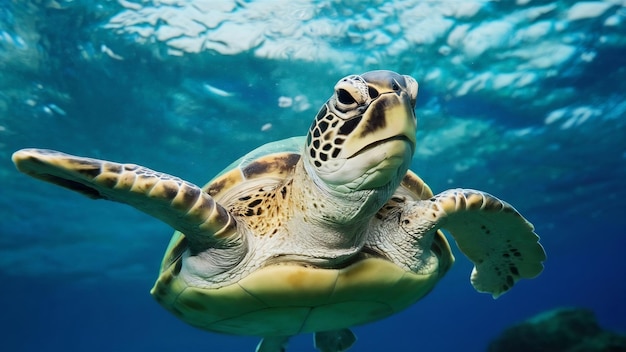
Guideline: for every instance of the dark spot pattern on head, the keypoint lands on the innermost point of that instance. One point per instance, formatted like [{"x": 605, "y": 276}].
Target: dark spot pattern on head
[
  {"x": 316, "y": 132},
  {"x": 376, "y": 118},
  {"x": 349, "y": 126},
  {"x": 324, "y": 140},
  {"x": 322, "y": 113},
  {"x": 323, "y": 126}
]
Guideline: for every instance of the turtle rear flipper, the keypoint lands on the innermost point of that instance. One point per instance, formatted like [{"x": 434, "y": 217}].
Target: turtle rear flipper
[
  {"x": 334, "y": 340},
  {"x": 491, "y": 233},
  {"x": 182, "y": 205},
  {"x": 272, "y": 344}
]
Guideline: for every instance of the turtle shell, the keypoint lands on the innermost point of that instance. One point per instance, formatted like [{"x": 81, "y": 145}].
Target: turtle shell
[
  {"x": 271, "y": 163},
  {"x": 290, "y": 298}
]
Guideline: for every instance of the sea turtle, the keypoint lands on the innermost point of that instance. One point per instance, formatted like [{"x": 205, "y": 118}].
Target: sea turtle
[{"x": 316, "y": 233}]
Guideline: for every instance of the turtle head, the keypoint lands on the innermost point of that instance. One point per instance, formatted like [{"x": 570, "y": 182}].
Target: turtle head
[{"x": 363, "y": 138}]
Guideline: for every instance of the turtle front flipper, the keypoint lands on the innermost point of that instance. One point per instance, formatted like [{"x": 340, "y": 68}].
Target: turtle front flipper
[
  {"x": 182, "y": 205},
  {"x": 491, "y": 233}
]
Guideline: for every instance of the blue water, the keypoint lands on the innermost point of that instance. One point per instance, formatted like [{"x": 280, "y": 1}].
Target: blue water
[{"x": 525, "y": 100}]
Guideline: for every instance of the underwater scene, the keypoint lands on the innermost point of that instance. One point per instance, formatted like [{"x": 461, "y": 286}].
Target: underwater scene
[{"x": 522, "y": 99}]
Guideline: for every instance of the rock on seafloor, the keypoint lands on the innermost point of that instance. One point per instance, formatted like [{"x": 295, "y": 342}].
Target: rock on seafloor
[{"x": 563, "y": 330}]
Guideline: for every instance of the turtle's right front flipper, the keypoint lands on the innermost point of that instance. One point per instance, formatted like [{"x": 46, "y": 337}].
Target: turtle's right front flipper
[
  {"x": 490, "y": 232},
  {"x": 182, "y": 205}
]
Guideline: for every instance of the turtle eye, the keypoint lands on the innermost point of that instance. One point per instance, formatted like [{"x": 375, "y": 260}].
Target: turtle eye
[
  {"x": 373, "y": 93},
  {"x": 344, "y": 97}
]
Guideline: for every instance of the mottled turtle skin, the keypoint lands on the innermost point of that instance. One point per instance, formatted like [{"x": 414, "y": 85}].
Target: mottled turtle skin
[{"x": 312, "y": 234}]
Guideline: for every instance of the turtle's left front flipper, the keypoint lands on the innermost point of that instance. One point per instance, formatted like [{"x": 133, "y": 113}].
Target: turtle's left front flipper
[
  {"x": 491, "y": 233},
  {"x": 182, "y": 205}
]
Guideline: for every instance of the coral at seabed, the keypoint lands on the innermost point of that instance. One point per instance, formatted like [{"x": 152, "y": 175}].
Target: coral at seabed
[{"x": 562, "y": 330}]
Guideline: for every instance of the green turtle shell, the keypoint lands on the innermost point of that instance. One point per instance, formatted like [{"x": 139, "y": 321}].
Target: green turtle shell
[{"x": 289, "y": 298}]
